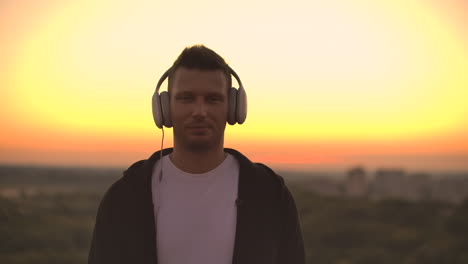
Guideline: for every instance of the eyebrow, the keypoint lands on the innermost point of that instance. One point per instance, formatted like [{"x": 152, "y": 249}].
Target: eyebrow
[
  {"x": 215, "y": 94},
  {"x": 183, "y": 93},
  {"x": 191, "y": 93}
]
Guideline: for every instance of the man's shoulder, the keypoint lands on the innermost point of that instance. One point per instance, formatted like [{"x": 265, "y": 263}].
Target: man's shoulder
[
  {"x": 142, "y": 168},
  {"x": 268, "y": 173},
  {"x": 134, "y": 168},
  {"x": 269, "y": 180},
  {"x": 129, "y": 180},
  {"x": 256, "y": 176},
  {"x": 255, "y": 168},
  {"x": 127, "y": 189}
]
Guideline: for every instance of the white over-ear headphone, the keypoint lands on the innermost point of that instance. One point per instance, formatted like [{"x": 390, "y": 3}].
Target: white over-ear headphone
[{"x": 237, "y": 103}]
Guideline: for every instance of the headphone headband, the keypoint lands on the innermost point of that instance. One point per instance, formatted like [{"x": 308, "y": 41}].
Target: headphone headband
[{"x": 166, "y": 74}]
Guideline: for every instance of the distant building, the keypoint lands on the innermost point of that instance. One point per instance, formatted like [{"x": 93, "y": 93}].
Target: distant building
[
  {"x": 356, "y": 183},
  {"x": 418, "y": 187},
  {"x": 389, "y": 183},
  {"x": 324, "y": 186},
  {"x": 451, "y": 189},
  {"x": 392, "y": 184}
]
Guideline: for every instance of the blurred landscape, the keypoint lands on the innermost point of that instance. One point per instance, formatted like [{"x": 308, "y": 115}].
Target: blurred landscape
[
  {"x": 356, "y": 216},
  {"x": 329, "y": 84}
]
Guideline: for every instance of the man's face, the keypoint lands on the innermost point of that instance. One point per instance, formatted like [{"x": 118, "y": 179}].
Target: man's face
[{"x": 199, "y": 108}]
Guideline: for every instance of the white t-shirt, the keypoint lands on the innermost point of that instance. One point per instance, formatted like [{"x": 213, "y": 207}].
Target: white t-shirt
[{"x": 195, "y": 214}]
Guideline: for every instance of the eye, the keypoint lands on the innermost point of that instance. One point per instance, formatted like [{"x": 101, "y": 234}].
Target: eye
[
  {"x": 214, "y": 99},
  {"x": 184, "y": 98}
]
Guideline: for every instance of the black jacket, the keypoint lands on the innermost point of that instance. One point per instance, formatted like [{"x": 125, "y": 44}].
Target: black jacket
[{"x": 267, "y": 230}]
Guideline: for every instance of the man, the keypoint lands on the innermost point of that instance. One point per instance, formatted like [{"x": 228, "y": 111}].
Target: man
[{"x": 198, "y": 202}]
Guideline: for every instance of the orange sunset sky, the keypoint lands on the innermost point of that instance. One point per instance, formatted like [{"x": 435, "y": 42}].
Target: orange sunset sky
[{"x": 331, "y": 84}]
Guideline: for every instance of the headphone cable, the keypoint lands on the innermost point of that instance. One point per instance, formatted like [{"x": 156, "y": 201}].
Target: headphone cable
[{"x": 161, "y": 153}]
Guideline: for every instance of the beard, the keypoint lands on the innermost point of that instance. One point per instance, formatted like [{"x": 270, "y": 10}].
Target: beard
[
  {"x": 199, "y": 146},
  {"x": 198, "y": 143}
]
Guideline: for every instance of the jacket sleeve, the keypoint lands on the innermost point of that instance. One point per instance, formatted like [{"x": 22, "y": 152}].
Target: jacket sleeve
[
  {"x": 104, "y": 244},
  {"x": 291, "y": 243}
]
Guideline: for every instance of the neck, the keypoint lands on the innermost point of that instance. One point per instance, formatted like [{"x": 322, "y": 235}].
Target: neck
[{"x": 196, "y": 162}]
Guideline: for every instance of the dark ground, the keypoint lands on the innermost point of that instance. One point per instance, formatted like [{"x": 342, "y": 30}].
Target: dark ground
[{"x": 47, "y": 216}]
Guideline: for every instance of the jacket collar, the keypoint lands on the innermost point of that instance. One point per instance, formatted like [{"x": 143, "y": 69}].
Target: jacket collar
[{"x": 143, "y": 170}]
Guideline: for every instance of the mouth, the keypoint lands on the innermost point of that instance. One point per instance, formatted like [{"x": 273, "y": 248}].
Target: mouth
[
  {"x": 199, "y": 126},
  {"x": 198, "y": 129}
]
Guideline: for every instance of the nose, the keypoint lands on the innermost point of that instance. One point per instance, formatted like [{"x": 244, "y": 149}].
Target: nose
[{"x": 200, "y": 110}]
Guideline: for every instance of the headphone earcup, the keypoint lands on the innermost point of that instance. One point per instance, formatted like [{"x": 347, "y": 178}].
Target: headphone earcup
[
  {"x": 165, "y": 109},
  {"x": 241, "y": 106},
  {"x": 232, "y": 101},
  {"x": 157, "y": 112}
]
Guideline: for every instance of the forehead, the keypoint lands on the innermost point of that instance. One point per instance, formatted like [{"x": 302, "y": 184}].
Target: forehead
[{"x": 195, "y": 80}]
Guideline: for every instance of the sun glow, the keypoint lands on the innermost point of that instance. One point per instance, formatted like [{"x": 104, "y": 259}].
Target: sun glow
[{"x": 328, "y": 78}]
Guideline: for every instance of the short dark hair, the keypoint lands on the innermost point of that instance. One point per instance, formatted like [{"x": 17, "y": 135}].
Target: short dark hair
[{"x": 201, "y": 58}]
